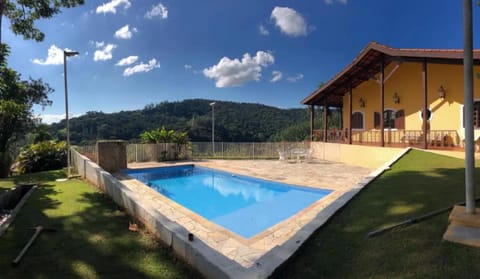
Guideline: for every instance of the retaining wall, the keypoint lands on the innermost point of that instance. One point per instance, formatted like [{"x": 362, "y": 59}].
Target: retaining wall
[
  {"x": 358, "y": 155},
  {"x": 206, "y": 260}
]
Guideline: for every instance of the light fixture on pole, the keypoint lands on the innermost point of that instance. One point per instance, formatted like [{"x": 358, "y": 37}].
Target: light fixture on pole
[
  {"x": 396, "y": 98},
  {"x": 441, "y": 92},
  {"x": 212, "y": 104},
  {"x": 67, "y": 53},
  {"x": 361, "y": 102}
]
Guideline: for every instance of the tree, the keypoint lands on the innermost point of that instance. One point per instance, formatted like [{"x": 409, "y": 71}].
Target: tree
[
  {"x": 23, "y": 14},
  {"x": 297, "y": 132},
  {"x": 180, "y": 139},
  {"x": 17, "y": 96},
  {"x": 42, "y": 156},
  {"x": 40, "y": 133}
]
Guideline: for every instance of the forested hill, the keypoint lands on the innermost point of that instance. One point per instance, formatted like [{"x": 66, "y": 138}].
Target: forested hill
[{"x": 236, "y": 122}]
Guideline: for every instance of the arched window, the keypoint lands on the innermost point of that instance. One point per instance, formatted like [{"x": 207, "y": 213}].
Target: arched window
[{"x": 357, "y": 120}]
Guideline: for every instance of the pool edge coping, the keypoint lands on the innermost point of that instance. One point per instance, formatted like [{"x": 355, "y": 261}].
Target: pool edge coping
[
  {"x": 210, "y": 262},
  {"x": 327, "y": 199}
]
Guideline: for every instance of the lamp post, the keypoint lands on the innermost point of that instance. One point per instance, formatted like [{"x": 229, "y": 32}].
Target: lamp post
[
  {"x": 66, "y": 54},
  {"x": 468, "y": 106},
  {"x": 212, "y": 104}
]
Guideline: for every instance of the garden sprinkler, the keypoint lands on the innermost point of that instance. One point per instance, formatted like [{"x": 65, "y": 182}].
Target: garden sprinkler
[{"x": 38, "y": 229}]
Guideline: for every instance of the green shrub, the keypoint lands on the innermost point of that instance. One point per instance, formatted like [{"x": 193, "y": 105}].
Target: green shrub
[{"x": 42, "y": 156}]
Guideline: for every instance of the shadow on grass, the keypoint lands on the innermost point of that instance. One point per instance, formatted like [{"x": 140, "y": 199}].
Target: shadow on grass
[
  {"x": 419, "y": 183},
  {"x": 39, "y": 177},
  {"x": 92, "y": 239}
]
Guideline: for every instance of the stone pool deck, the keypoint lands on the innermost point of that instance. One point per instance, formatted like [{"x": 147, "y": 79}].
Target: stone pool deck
[{"x": 250, "y": 254}]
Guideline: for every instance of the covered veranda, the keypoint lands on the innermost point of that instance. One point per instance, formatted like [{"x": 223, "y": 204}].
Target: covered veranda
[{"x": 371, "y": 65}]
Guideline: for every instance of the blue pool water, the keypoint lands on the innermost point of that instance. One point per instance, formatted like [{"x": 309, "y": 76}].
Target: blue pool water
[{"x": 241, "y": 204}]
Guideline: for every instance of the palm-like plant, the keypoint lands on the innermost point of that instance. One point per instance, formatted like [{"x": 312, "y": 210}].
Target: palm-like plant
[
  {"x": 162, "y": 135},
  {"x": 180, "y": 139}
]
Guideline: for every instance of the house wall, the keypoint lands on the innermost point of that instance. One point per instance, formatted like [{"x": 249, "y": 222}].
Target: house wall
[
  {"x": 407, "y": 82},
  {"x": 372, "y": 157}
]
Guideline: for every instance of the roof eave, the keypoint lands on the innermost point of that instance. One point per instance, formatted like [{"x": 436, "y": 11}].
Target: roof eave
[{"x": 403, "y": 54}]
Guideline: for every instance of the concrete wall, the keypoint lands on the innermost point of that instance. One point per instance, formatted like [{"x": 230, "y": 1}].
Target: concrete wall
[
  {"x": 357, "y": 155},
  {"x": 206, "y": 260},
  {"x": 112, "y": 155}
]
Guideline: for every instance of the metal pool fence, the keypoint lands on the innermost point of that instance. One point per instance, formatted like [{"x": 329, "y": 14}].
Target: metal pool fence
[{"x": 201, "y": 150}]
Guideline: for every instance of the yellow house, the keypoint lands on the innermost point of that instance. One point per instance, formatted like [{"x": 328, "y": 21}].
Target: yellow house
[{"x": 401, "y": 83}]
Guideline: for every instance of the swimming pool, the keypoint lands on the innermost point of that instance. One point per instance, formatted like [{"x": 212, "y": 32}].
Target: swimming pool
[{"x": 241, "y": 204}]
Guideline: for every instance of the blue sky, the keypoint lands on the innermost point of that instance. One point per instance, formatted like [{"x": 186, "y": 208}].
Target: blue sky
[{"x": 274, "y": 52}]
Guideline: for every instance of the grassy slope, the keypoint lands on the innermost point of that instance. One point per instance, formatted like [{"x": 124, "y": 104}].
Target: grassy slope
[
  {"x": 92, "y": 239},
  {"x": 419, "y": 183}
]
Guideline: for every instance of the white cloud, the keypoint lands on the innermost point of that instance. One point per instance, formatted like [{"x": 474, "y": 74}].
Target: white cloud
[
  {"x": 53, "y": 118},
  {"x": 105, "y": 53},
  {"x": 289, "y": 21},
  {"x": 295, "y": 78},
  {"x": 96, "y": 44},
  {"x": 124, "y": 32},
  {"x": 54, "y": 57},
  {"x": 159, "y": 11},
  {"x": 233, "y": 72},
  {"x": 263, "y": 30},
  {"x": 276, "y": 76},
  {"x": 111, "y": 7},
  {"x": 187, "y": 67},
  {"x": 142, "y": 68},
  {"x": 127, "y": 61}
]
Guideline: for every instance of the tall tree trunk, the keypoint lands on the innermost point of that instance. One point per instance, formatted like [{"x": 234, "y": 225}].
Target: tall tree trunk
[{"x": 5, "y": 163}]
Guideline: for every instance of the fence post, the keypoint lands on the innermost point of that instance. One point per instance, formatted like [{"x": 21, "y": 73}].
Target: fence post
[
  {"x": 253, "y": 150},
  {"x": 222, "y": 152},
  {"x": 136, "y": 153}
]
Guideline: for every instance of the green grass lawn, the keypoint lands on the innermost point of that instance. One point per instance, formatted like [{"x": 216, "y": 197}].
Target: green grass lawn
[
  {"x": 92, "y": 238},
  {"x": 418, "y": 183}
]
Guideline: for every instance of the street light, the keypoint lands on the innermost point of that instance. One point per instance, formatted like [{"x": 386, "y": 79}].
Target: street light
[
  {"x": 212, "y": 104},
  {"x": 66, "y": 54}
]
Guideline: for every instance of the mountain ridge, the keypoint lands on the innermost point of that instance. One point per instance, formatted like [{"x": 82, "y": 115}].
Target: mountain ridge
[{"x": 234, "y": 121}]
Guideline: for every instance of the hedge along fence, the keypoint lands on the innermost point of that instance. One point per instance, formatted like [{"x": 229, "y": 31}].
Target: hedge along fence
[{"x": 201, "y": 150}]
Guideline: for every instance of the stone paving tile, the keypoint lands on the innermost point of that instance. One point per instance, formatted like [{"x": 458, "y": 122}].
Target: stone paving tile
[{"x": 318, "y": 174}]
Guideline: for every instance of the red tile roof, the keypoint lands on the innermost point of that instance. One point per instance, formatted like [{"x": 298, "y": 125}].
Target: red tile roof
[{"x": 368, "y": 62}]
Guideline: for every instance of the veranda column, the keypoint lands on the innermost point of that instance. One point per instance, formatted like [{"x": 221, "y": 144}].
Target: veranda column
[
  {"x": 425, "y": 104},
  {"x": 325, "y": 120},
  {"x": 382, "y": 105},
  {"x": 350, "y": 116},
  {"x": 312, "y": 120}
]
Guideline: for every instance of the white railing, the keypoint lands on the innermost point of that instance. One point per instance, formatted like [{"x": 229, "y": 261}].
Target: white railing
[
  {"x": 202, "y": 150},
  {"x": 435, "y": 138}
]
